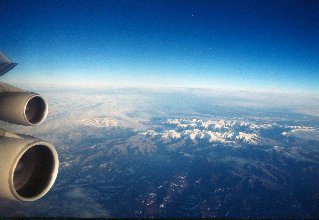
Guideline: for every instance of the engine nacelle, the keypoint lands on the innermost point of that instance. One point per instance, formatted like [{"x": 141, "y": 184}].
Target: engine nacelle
[
  {"x": 23, "y": 108},
  {"x": 28, "y": 167}
]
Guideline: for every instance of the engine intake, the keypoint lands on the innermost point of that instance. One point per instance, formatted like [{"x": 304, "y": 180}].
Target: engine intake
[
  {"x": 23, "y": 108},
  {"x": 28, "y": 168}
]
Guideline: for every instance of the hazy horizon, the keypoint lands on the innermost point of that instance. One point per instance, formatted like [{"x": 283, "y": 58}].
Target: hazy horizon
[{"x": 249, "y": 45}]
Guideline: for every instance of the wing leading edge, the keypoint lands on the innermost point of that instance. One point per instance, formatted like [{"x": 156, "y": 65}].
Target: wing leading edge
[{"x": 5, "y": 64}]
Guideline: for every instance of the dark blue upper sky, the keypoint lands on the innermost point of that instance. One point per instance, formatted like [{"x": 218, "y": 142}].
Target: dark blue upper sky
[{"x": 238, "y": 44}]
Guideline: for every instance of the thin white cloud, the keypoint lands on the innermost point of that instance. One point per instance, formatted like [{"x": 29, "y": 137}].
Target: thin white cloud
[{"x": 311, "y": 134}]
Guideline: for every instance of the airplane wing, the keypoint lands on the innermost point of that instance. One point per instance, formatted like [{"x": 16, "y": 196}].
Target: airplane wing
[
  {"x": 5, "y": 64},
  {"x": 28, "y": 165}
]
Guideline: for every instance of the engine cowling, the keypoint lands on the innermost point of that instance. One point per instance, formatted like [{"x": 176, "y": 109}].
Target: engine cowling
[
  {"x": 23, "y": 108},
  {"x": 28, "y": 167}
]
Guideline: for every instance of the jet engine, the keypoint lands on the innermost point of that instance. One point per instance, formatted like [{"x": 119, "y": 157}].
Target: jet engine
[
  {"x": 28, "y": 167},
  {"x": 22, "y": 108}
]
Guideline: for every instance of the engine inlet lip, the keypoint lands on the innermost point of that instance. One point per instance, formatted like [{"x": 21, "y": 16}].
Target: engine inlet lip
[
  {"x": 44, "y": 115},
  {"x": 52, "y": 177}
]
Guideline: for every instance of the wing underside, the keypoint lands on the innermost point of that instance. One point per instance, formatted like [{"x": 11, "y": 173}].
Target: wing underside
[{"x": 5, "y": 64}]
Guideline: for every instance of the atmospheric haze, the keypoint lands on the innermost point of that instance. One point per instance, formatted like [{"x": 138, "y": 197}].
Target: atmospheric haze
[{"x": 178, "y": 152}]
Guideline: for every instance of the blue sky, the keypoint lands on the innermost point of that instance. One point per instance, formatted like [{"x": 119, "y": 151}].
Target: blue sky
[{"x": 252, "y": 45}]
